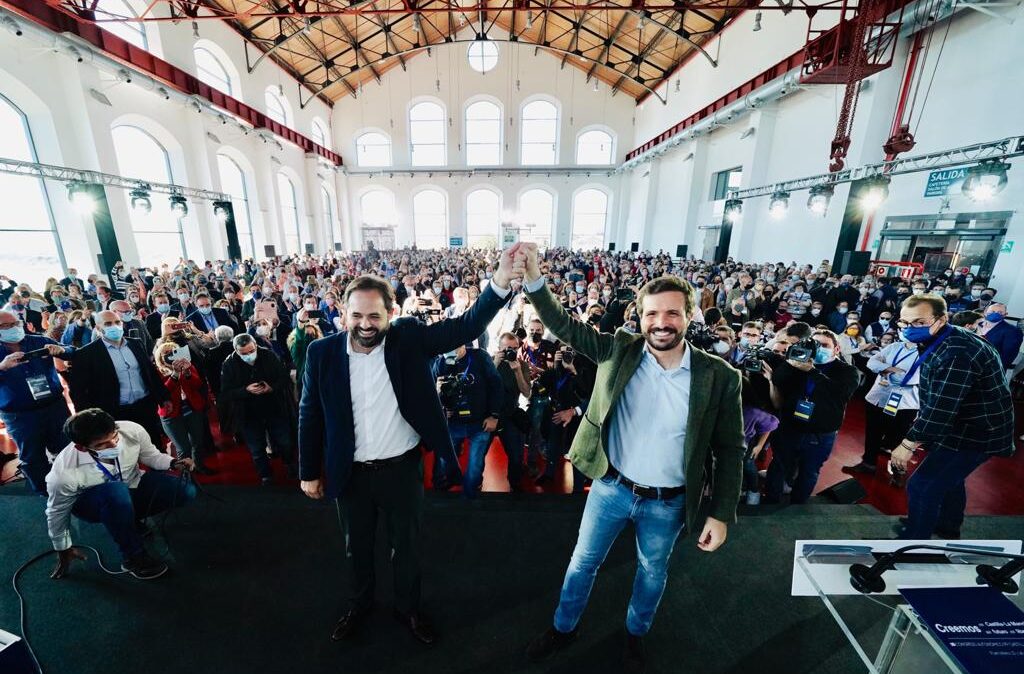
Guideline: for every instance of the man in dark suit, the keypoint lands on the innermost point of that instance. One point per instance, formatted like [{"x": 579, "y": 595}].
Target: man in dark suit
[
  {"x": 207, "y": 318},
  {"x": 33, "y": 320},
  {"x": 1005, "y": 338},
  {"x": 162, "y": 309},
  {"x": 116, "y": 375},
  {"x": 368, "y": 404},
  {"x": 72, "y": 279}
]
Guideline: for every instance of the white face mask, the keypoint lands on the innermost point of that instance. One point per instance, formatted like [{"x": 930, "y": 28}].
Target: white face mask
[
  {"x": 721, "y": 348},
  {"x": 263, "y": 331}
]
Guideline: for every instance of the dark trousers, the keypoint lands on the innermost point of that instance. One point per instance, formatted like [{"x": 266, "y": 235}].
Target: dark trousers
[
  {"x": 512, "y": 441},
  {"x": 807, "y": 453},
  {"x": 118, "y": 507},
  {"x": 34, "y": 432},
  {"x": 537, "y": 411},
  {"x": 394, "y": 490},
  {"x": 142, "y": 412},
  {"x": 936, "y": 496},
  {"x": 558, "y": 440},
  {"x": 884, "y": 432},
  {"x": 255, "y": 431}
]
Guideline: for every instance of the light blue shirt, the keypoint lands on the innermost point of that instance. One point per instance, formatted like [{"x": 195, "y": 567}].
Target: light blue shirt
[
  {"x": 131, "y": 387},
  {"x": 647, "y": 435}
]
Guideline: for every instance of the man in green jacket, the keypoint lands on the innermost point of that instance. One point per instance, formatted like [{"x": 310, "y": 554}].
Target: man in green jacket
[{"x": 664, "y": 425}]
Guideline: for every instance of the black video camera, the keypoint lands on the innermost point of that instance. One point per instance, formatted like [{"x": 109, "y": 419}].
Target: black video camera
[
  {"x": 454, "y": 393},
  {"x": 701, "y": 336},
  {"x": 803, "y": 351},
  {"x": 625, "y": 295},
  {"x": 753, "y": 359}
]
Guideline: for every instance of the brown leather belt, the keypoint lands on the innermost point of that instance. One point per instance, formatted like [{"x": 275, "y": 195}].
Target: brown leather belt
[{"x": 643, "y": 491}]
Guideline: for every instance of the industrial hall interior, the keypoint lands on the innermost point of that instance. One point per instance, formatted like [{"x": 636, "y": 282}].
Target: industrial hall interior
[{"x": 517, "y": 336}]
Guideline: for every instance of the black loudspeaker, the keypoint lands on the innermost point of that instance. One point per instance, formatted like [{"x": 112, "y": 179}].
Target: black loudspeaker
[
  {"x": 337, "y": 248},
  {"x": 855, "y": 262},
  {"x": 635, "y": 247},
  {"x": 681, "y": 250},
  {"x": 268, "y": 251},
  {"x": 611, "y": 247},
  {"x": 846, "y": 492},
  {"x": 310, "y": 249}
]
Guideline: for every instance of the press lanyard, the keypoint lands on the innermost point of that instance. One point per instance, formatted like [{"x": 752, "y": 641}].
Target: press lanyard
[
  {"x": 908, "y": 354},
  {"x": 809, "y": 387},
  {"x": 469, "y": 364},
  {"x": 927, "y": 352},
  {"x": 107, "y": 473}
]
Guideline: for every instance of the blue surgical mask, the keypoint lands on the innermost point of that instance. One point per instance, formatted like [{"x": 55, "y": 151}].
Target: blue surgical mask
[
  {"x": 163, "y": 308},
  {"x": 113, "y": 333},
  {"x": 111, "y": 453},
  {"x": 12, "y": 335},
  {"x": 823, "y": 355},
  {"x": 248, "y": 358},
  {"x": 917, "y": 334},
  {"x": 127, "y": 316},
  {"x": 206, "y": 311},
  {"x": 993, "y": 317}
]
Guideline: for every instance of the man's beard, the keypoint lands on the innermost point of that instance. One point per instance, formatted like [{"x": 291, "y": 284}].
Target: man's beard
[
  {"x": 677, "y": 337},
  {"x": 367, "y": 338}
]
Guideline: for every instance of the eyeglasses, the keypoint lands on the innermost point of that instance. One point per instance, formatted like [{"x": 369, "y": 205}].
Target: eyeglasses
[
  {"x": 14, "y": 324},
  {"x": 919, "y": 323}
]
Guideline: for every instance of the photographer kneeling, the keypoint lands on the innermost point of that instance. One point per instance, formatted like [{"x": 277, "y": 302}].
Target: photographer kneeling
[
  {"x": 812, "y": 388},
  {"x": 97, "y": 479},
  {"x": 470, "y": 391}
]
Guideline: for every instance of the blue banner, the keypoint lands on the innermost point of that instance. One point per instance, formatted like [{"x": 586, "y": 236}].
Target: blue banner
[
  {"x": 455, "y": 241},
  {"x": 981, "y": 629},
  {"x": 939, "y": 182}
]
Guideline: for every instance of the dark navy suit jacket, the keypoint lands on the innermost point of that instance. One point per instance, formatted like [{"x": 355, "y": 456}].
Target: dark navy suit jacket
[
  {"x": 327, "y": 440},
  {"x": 1006, "y": 339}
]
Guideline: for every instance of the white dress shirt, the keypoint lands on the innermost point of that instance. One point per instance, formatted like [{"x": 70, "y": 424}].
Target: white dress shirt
[
  {"x": 74, "y": 471},
  {"x": 899, "y": 355}
]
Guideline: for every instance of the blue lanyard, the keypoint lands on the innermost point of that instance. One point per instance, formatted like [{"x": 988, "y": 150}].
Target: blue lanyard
[
  {"x": 107, "y": 473},
  {"x": 469, "y": 364},
  {"x": 927, "y": 352},
  {"x": 809, "y": 387},
  {"x": 561, "y": 382},
  {"x": 908, "y": 354}
]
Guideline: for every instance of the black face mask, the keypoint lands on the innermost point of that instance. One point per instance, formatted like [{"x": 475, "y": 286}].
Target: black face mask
[{"x": 535, "y": 337}]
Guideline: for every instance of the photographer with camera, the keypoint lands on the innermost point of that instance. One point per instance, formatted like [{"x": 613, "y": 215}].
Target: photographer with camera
[
  {"x": 539, "y": 354},
  {"x": 749, "y": 342},
  {"x": 813, "y": 388},
  {"x": 569, "y": 396},
  {"x": 471, "y": 395},
  {"x": 513, "y": 423}
]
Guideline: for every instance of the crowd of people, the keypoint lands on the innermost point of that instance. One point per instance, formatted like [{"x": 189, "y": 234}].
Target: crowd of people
[{"x": 179, "y": 349}]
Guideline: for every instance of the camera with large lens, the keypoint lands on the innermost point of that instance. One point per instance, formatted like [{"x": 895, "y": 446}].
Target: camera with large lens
[
  {"x": 701, "y": 336},
  {"x": 454, "y": 393},
  {"x": 803, "y": 351},
  {"x": 567, "y": 356},
  {"x": 510, "y": 353},
  {"x": 753, "y": 358}
]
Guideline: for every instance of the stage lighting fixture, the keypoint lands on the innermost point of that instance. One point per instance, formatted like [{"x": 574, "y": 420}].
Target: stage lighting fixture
[
  {"x": 985, "y": 180},
  {"x": 78, "y": 194},
  {"x": 874, "y": 192},
  {"x": 733, "y": 209},
  {"x": 220, "y": 212},
  {"x": 179, "y": 205},
  {"x": 140, "y": 199},
  {"x": 821, "y": 197},
  {"x": 779, "y": 205}
]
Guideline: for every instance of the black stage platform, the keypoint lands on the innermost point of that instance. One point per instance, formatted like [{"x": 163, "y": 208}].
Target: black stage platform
[{"x": 255, "y": 586}]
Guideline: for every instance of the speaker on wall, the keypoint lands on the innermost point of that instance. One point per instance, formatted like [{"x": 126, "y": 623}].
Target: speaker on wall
[
  {"x": 268, "y": 251},
  {"x": 337, "y": 248},
  {"x": 611, "y": 246},
  {"x": 635, "y": 247},
  {"x": 855, "y": 262},
  {"x": 681, "y": 250},
  {"x": 309, "y": 249}
]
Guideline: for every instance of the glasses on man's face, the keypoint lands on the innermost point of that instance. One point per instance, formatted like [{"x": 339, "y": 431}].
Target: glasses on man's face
[
  {"x": 10, "y": 324},
  {"x": 918, "y": 323}
]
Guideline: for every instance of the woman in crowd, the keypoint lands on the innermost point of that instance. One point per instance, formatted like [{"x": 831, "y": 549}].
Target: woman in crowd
[{"x": 184, "y": 418}]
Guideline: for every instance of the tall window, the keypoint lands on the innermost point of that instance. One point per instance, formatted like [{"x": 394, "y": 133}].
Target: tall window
[
  {"x": 427, "y": 134},
  {"x": 320, "y": 134},
  {"x": 158, "y": 234},
  {"x": 211, "y": 71},
  {"x": 373, "y": 149},
  {"x": 536, "y": 217},
  {"x": 131, "y": 31},
  {"x": 232, "y": 181},
  {"x": 327, "y": 208},
  {"x": 595, "y": 148},
  {"x": 589, "y": 215},
  {"x": 539, "y": 134},
  {"x": 377, "y": 208},
  {"x": 483, "y": 218},
  {"x": 483, "y": 134},
  {"x": 277, "y": 106},
  {"x": 430, "y": 219},
  {"x": 721, "y": 183},
  {"x": 289, "y": 212},
  {"x": 31, "y": 250}
]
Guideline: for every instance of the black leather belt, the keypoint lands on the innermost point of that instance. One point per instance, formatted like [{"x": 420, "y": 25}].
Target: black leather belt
[
  {"x": 378, "y": 464},
  {"x": 643, "y": 491}
]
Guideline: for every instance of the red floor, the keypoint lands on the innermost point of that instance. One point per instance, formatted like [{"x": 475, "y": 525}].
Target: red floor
[{"x": 994, "y": 489}]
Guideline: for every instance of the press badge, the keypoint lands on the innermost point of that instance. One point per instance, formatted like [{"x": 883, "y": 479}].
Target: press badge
[
  {"x": 892, "y": 405},
  {"x": 803, "y": 410},
  {"x": 39, "y": 387}
]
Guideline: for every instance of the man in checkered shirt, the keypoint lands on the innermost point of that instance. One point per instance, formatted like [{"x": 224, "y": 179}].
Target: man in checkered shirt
[{"x": 966, "y": 417}]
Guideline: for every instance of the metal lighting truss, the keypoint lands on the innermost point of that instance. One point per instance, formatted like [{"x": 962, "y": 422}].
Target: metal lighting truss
[
  {"x": 69, "y": 175},
  {"x": 1006, "y": 148}
]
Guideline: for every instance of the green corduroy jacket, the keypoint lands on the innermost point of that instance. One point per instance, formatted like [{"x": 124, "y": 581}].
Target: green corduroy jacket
[{"x": 714, "y": 446}]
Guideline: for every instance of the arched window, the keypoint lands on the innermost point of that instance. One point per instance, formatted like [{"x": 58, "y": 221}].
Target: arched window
[
  {"x": 483, "y": 134},
  {"x": 536, "y": 217},
  {"x": 131, "y": 31},
  {"x": 377, "y": 208},
  {"x": 589, "y": 215},
  {"x": 289, "y": 212},
  {"x": 31, "y": 250},
  {"x": 210, "y": 70},
  {"x": 327, "y": 208},
  {"x": 427, "y": 134},
  {"x": 430, "y": 219},
  {"x": 158, "y": 233},
  {"x": 373, "y": 149},
  {"x": 277, "y": 106},
  {"x": 320, "y": 134},
  {"x": 483, "y": 218},
  {"x": 232, "y": 181},
  {"x": 595, "y": 148},
  {"x": 539, "y": 134}
]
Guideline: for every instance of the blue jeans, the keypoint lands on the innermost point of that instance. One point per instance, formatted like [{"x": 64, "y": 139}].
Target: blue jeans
[
  {"x": 750, "y": 476},
  {"x": 34, "y": 432},
  {"x": 936, "y": 496},
  {"x": 117, "y": 507},
  {"x": 807, "y": 453},
  {"x": 658, "y": 523},
  {"x": 188, "y": 433},
  {"x": 537, "y": 412},
  {"x": 479, "y": 443}
]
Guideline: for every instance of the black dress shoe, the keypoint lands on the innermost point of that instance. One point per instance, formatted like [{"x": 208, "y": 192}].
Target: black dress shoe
[
  {"x": 419, "y": 625},
  {"x": 863, "y": 468},
  {"x": 348, "y": 624},
  {"x": 635, "y": 657},
  {"x": 549, "y": 642}
]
